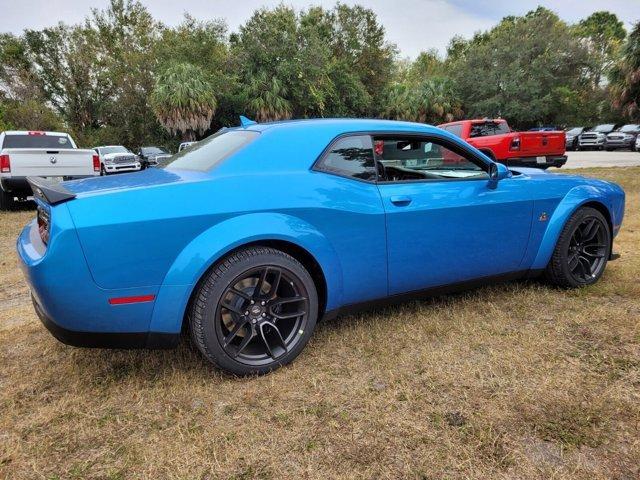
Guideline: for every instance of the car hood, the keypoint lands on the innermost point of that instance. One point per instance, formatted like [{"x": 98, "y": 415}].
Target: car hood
[{"x": 127, "y": 181}]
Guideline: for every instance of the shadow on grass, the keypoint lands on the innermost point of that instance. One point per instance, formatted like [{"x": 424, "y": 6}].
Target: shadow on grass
[{"x": 104, "y": 367}]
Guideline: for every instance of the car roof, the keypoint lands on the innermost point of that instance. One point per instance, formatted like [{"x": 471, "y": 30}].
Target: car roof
[
  {"x": 109, "y": 146},
  {"x": 341, "y": 125}
]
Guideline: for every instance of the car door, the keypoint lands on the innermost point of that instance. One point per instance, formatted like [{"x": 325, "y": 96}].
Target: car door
[{"x": 446, "y": 222}]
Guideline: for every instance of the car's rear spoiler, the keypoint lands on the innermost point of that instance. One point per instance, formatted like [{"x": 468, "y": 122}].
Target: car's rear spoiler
[{"x": 48, "y": 191}]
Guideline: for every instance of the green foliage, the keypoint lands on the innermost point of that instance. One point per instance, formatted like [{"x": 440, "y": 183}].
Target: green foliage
[
  {"x": 122, "y": 77},
  {"x": 625, "y": 77},
  {"x": 183, "y": 100}
]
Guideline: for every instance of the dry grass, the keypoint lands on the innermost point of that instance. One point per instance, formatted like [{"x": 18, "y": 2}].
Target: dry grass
[{"x": 511, "y": 381}]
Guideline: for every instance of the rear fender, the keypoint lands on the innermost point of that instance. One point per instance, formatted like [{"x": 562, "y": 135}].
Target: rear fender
[
  {"x": 575, "y": 198},
  {"x": 213, "y": 244}
]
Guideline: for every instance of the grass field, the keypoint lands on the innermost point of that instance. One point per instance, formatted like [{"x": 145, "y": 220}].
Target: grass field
[{"x": 509, "y": 381}]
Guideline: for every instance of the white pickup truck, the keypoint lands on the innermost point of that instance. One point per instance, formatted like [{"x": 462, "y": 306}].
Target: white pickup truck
[{"x": 52, "y": 155}]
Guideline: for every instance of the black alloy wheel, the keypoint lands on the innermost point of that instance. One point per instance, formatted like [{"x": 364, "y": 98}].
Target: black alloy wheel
[
  {"x": 260, "y": 314},
  {"x": 254, "y": 311},
  {"x": 582, "y": 251}
]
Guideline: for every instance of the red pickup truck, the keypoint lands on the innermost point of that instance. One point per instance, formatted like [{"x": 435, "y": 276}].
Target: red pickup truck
[{"x": 494, "y": 138}]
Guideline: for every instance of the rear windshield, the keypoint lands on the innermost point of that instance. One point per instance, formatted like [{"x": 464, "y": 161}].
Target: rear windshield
[
  {"x": 486, "y": 129},
  {"x": 456, "y": 129},
  {"x": 211, "y": 151},
  {"x": 36, "y": 141}
]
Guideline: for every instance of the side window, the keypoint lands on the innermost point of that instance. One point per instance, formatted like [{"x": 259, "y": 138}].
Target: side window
[
  {"x": 350, "y": 157},
  {"x": 407, "y": 159},
  {"x": 456, "y": 129}
]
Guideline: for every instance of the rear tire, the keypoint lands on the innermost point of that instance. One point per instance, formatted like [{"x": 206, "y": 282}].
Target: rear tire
[
  {"x": 254, "y": 311},
  {"x": 582, "y": 251},
  {"x": 7, "y": 201}
]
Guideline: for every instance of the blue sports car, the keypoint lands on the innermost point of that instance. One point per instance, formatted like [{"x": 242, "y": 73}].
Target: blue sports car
[{"x": 249, "y": 237}]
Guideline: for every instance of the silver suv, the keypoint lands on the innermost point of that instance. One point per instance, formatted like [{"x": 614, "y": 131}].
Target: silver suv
[{"x": 595, "y": 138}]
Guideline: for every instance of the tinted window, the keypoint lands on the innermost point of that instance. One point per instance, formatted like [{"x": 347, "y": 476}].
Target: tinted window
[
  {"x": 485, "y": 129},
  {"x": 455, "y": 129},
  {"x": 350, "y": 157},
  {"x": 211, "y": 151},
  {"x": 413, "y": 159},
  {"x": 36, "y": 141}
]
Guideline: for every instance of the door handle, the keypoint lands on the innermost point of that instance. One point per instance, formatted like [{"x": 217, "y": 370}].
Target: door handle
[{"x": 400, "y": 200}]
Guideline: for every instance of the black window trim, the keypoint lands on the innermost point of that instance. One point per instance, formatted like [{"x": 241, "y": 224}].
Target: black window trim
[{"x": 440, "y": 139}]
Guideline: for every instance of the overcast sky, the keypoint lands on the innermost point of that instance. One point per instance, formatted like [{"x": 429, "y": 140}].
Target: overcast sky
[{"x": 413, "y": 25}]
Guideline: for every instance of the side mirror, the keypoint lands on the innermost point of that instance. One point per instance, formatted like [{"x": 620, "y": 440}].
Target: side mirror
[{"x": 497, "y": 172}]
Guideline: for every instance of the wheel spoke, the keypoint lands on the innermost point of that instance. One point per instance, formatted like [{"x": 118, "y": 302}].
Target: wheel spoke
[
  {"x": 584, "y": 261},
  {"x": 234, "y": 331},
  {"x": 272, "y": 339},
  {"x": 288, "y": 301},
  {"x": 573, "y": 262},
  {"x": 231, "y": 308},
  {"x": 590, "y": 230},
  {"x": 275, "y": 283},
  {"x": 258, "y": 288},
  {"x": 240, "y": 293},
  {"x": 245, "y": 341}
]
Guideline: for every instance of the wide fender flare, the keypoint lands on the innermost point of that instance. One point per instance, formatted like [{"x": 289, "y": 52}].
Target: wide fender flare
[
  {"x": 572, "y": 201},
  {"x": 214, "y": 243}
]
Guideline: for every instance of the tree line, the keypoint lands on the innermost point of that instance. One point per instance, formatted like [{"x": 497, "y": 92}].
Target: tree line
[{"x": 122, "y": 77}]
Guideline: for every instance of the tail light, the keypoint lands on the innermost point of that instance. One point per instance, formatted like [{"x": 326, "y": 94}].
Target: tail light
[
  {"x": 5, "y": 164},
  {"x": 44, "y": 224},
  {"x": 96, "y": 163},
  {"x": 515, "y": 143}
]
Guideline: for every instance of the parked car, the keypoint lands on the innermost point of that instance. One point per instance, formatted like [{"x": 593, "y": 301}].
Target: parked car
[
  {"x": 572, "y": 134},
  {"x": 595, "y": 138},
  {"x": 117, "y": 159},
  {"x": 349, "y": 213},
  {"x": 494, "y": 138},
  {"x": 624, "y": 137},
  {"x": 151, "y": 156},
  {"x": 184, "y": 145},
  {"x": 46, "y": 154}
]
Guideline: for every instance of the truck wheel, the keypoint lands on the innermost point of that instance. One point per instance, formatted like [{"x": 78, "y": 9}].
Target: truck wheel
[
  {"x": 6, "y": 201},
  {"x": 103, "y": 172}
]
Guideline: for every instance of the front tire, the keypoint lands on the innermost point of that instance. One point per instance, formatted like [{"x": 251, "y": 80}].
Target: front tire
[
  {"x": 582, "y": 251},
  {"x": 254, "y": 311}
]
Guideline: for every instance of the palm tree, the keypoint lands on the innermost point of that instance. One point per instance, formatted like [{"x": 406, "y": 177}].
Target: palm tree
[
  {"x": 183, "y": 100},
  {"x": 625, "y": 77},
  {"x": 267, "y": 98}
]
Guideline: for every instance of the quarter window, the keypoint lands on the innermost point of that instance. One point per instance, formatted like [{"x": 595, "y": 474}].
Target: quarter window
[
  {"x": 410, "y": 159},
  {"x": 350, "y": 157}
]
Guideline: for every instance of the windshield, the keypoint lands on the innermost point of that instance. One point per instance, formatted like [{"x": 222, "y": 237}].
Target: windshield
[
  {"x": 39, "y": 140},
  {"x": 604, "y": 128},
  {"x": 211, "y": 151},
  {"x": 119, "y": 149},
  {"x": 630, "y": 128},
  {"x": 152, "y": 150},
  {"x": 574, "y": 131}
]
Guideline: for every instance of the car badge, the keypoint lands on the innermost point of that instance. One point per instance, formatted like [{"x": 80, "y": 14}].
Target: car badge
[
  {"x": 543, "y": 217},
  {"x": 52, "y": 159}
]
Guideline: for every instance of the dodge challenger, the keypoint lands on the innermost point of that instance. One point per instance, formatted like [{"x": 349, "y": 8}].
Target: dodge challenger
[{"x": 257, "y": 232}]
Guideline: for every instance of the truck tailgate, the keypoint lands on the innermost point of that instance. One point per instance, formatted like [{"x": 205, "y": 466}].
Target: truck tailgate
[
  {"x": 50, "y": 163},
  {"x": 542, "y": 143}
]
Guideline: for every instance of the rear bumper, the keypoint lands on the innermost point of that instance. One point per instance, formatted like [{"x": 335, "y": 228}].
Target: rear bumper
[
  {"x": 69, "y": 303},
  {"x": 534, "y": 162},
  {"x": 129, "y": 340}
]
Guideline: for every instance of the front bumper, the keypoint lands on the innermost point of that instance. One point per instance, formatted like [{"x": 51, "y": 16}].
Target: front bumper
[
  {"x": 536, "y": 162},
  {"x": 630, "y": 143},
  {"x": 591, "y": 143},
  {"x": 116, "y": 168}
]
